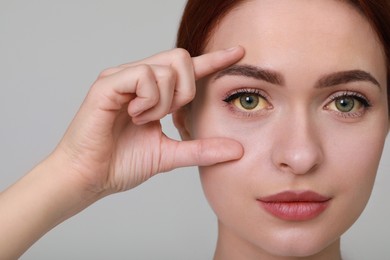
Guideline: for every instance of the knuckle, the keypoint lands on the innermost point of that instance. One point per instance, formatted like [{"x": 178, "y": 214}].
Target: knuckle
[
  {"x": 154, "y": 99},
  {"x": 144, "y": 69},
  {"x": 204, "y": 155},
  {"x": 126, "y": 65},
  {"x": 106, "y": 72},
  {"x": 189, "y": 97},
  {"x": 198, "y": 152},
  {"x": 182, "y": 54},
  {"x": 167, "y": 74}
]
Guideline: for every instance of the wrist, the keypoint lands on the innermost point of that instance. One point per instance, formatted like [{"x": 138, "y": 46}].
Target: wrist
[
  {"x": 43, "y": 198},
  {"x": 69, "y": 184}
]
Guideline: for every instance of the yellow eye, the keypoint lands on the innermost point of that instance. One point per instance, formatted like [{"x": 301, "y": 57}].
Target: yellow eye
[{"x": 250, "y": 102}]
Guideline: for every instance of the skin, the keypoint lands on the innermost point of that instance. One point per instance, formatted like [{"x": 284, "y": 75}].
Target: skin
[{"x": 297, "y": 139}]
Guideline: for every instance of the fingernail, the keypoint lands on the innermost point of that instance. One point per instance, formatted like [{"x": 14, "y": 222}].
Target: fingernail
[
  {"x": 139, "y": 122},
  {"x": 136, "y": 112}
]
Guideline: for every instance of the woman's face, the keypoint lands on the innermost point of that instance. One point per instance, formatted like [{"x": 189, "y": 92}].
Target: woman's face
[{"x": 308, "y": 104}]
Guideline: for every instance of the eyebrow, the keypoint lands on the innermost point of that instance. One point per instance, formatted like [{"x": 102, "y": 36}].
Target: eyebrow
[
  {"x": 344, "y": 77},
  {"x": 329, "y": 80},
  {"x": 252, "y": 72}
]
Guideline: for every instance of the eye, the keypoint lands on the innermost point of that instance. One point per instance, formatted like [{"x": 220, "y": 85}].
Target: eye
[
  {"x": 248, "y": 100},
  {"x": 348, "y": 104}
]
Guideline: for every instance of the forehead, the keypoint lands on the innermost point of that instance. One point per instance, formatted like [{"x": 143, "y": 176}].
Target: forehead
[
  {"x": 280, "y": 32},
  {"x": 285, "y": 19}
]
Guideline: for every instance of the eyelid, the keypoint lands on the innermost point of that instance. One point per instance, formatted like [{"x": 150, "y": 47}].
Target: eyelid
[
  {"x": 231, "y": 95},
  {"x": 347, "y": 93}
]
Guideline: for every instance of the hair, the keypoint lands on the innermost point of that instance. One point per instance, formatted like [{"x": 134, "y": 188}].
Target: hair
[{"x": 201, "y": 17}]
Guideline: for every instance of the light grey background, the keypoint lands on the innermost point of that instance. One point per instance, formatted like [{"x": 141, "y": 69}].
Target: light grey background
[{"x": 50, "y": 53}]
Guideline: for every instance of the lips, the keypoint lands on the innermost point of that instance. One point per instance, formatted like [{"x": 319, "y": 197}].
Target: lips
[{"x": 295, "y": 205}]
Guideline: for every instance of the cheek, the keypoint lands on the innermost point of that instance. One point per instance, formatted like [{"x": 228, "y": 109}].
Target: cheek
[
  {"x": 225, "y": 188},
  {"x": 353, "y": 157},
  {"x": 231, "y": 188},
  {"x": 231, "y": 193}
]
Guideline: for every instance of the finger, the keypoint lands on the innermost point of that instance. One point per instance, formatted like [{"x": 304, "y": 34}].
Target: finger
[
  {"x": 212, "y": 62},
  {"x": 189, "y": 70},
  {"x": 146, "y": 90},
  {"x": 181, "y": 61},
  {"x": 138, "y": 82},
  {"x": 164, "y": 58},
  {"x": 109, "y": 71},
  {"x": 166, "y": 80},
  {"x": 221, "y": 58},
  {"x": 203, "y": 152},
  {"x": 185, "y": 87}
]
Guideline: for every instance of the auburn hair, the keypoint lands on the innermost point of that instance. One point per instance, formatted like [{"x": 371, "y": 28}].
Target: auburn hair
[{"x": 200, "y": 18}]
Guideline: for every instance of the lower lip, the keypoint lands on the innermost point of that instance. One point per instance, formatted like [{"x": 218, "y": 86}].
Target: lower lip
[{"x": 295, "y": 211}]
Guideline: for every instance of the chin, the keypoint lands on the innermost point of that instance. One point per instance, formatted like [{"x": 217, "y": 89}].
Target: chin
[{"x": 301, "y": 246}]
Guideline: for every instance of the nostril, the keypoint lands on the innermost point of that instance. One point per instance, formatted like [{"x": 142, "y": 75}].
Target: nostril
[
  {"x": 283, "y": 165},
  {"x": 297, "y": 170}
]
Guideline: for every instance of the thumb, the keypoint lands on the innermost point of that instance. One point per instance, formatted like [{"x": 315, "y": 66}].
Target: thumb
[{"x": 203, "y": 152}]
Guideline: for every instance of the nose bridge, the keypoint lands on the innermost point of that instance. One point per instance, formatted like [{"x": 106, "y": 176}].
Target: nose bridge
[{"x": 298, "y": 149}]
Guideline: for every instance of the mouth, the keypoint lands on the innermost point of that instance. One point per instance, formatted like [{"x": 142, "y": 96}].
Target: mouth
[{"x": 295, "y": 205}]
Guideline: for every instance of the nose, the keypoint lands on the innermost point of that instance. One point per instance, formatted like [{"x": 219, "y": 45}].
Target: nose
[{"x": 297, "y": 146}]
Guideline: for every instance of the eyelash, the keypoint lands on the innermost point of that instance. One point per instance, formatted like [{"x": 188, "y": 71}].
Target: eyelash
[{"x": 238, "y": 93}]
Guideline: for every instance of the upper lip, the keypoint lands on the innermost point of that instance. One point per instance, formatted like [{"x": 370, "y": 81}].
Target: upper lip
[{"x": 295, "y": 196}]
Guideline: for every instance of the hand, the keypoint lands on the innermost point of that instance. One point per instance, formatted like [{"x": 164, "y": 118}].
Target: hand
[{"x": 115, "y": 142}]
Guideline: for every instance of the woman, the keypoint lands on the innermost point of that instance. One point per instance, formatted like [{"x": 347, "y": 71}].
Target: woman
[
  {"x": 303, "y": 98},
  {"x": 288, "y": 118}
]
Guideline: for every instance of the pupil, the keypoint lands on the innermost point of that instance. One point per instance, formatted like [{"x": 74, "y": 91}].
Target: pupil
[{"x": 345, "y": 104}]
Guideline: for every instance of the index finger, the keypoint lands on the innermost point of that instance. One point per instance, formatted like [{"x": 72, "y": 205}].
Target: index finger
[{"x": 209, "y": 63}]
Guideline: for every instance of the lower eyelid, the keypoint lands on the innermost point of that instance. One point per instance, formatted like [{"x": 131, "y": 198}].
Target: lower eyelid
[
  {"x": 349, "y": 115},
  {"x": 247, "y": 114},
  {"x": 243, "y": 113}
]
